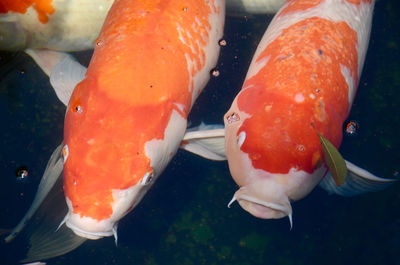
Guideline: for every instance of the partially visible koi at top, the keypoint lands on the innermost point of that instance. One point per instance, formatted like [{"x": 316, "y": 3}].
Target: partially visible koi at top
[{"x": 44, "y": 8}]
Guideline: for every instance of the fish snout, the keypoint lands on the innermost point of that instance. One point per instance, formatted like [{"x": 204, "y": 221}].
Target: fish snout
[
  {"x": 264, "y": 206},
  {"x": 90, "y": 228},
  {"x": 85, "y": 225}
]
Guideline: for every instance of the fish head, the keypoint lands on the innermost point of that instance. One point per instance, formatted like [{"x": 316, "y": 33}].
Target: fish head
[
  {"x": 112, "y": 156},
  {"x": 272, "y": 162}
]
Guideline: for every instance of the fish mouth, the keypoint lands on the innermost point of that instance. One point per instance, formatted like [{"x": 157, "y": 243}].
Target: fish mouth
[
  {"x": 88, "y": 234},
  {"x": 263, "y": 209},
  {"x": 90, "y": 228}
]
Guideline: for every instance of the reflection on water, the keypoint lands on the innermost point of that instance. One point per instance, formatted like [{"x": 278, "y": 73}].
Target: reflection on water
[{"x": 184, "y": 218}]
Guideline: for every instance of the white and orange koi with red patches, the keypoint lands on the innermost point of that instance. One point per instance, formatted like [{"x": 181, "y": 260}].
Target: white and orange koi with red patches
[
  {"x": 126, "y": 119},
  {"x": 305, "y": 71}
]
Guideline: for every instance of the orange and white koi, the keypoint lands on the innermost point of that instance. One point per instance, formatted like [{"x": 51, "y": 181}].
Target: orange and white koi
[
  {"x": 304, "y": 73},
  {"x": 126, "y": 119}
]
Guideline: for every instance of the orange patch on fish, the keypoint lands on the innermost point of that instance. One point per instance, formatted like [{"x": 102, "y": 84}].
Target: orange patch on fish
[
  {"x": 44, "y": 8},
  {"x": 137, "y": 77},
  {"x": 295, "y": 6},
  {"x": 118, "y": 146},
  {"x": 161, "y": 79},
  {"x": 305, "y": 59}
]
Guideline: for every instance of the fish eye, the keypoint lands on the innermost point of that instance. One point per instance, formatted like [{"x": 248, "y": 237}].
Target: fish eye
[
  {"x": 147, "y": 178},
  {"x": 232, "y": 117},
  {"x": 78, "y": 109}
]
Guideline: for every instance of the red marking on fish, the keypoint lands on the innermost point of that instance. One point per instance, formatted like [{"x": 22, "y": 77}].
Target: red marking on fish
[
  {"x": 44, "y": 8},
  {"x": 310, "y": 64}
]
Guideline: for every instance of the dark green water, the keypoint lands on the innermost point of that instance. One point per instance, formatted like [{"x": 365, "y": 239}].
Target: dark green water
[{"x": 184, "y": 218}]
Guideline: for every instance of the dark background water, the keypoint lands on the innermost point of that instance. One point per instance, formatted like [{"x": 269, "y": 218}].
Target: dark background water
[{"x": 184, "y": 218}]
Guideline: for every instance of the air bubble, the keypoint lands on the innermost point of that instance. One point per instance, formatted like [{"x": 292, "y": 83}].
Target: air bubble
[
  {"x": 222, "y": 42},
  {"x": 351, "y": 128},
  {"x": 21, "y": 173},
  {"x": 215, "y": 72}
]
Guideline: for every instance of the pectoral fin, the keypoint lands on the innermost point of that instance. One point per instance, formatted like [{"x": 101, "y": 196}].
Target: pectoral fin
[
  {"x": 51, "y": 174},
  {"x": 46, "y": 239},
  {"x": 207, "y": 141},
  {"x": 46, "y": 59},
  {"x": 65, "y": 76},
  {"x": 358, "y": 181},
  {"x": 40, "y": 225},
  {"x": 62, "y": 68}
]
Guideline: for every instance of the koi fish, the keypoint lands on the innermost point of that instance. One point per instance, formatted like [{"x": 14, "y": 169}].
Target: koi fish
[
  {"x": 126, "y": 119},
  {"x": 46, "y": 30},
  {"x": 128, "y": 111},
  {"x": 304, "y": 73}
]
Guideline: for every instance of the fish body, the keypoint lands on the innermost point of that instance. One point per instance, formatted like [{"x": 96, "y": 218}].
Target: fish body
[
  {"x": 304, "y": 73},
  {"x": 126, "y": 119},
  {"x": 59, "y": 25}
]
